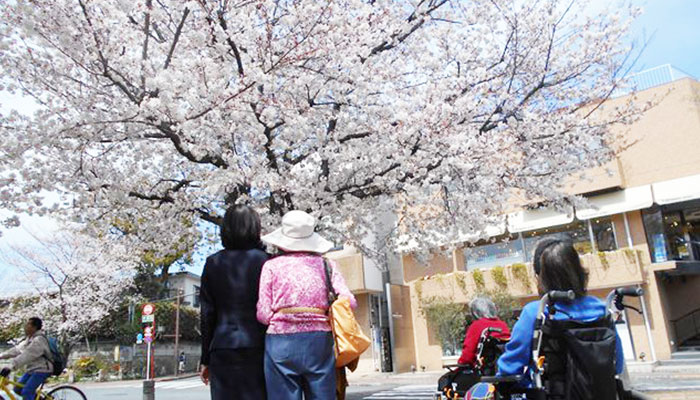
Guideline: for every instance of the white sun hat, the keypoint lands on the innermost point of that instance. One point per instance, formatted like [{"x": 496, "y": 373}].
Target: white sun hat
[{"x": 297, "y": 234}]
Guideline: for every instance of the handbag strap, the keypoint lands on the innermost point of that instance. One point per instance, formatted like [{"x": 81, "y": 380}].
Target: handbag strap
[{"x": 332, "y": 295}]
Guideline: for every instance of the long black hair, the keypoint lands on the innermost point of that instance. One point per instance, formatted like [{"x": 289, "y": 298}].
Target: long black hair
[
  {"x": 241, "y": 228},
  {"x": 558, "y": 266}
]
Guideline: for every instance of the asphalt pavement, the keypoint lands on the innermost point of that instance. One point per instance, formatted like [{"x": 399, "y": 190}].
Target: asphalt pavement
[
  {"x": 193, "y": 389},
  {"x": 379, "y": 387}
]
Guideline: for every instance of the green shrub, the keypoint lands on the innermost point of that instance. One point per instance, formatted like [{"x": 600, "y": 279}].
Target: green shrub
[{"x": 499, "y": 276}]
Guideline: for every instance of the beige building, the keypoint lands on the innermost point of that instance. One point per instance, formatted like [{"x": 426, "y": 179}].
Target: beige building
[{"x": 643, "y": 228}]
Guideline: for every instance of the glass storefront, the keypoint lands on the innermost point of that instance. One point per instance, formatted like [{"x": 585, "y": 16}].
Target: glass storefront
[
  {"x": 673, "y": 231},
  {"x": 577, "y": 230},
  {"x": 518, "y": 248},
  {"x": 604, "y": 233},
  {"x": 500, "y": 251}
]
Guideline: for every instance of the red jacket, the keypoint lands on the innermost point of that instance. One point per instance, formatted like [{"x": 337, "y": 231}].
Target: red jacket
[{"x": 471, "y": 340}]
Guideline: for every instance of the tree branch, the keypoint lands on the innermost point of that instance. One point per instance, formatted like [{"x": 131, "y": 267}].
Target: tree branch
[
  {"x": 178, "y": 31},
  {"x": 231, "y": 43}
]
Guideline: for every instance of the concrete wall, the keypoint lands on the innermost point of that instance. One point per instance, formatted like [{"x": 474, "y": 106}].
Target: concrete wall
[
  {"x": 362, "y": 314},
  {"x": 682, "y": 298},
  {"x": 664, "y": 142},
  {"x": 351, "y": 267},
  {"x": 438, "y": 263}
]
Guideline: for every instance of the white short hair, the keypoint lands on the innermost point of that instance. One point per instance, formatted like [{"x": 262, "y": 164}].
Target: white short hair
[{"x": 483, "y": 307}]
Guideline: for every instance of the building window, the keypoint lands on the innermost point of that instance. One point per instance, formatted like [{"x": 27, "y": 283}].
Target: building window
[
  {"x": 673, "y": 232},
  {"x": 195, "y": 301},
  {"x": 577, "y": 231},
  {"x": 499, "y": 251},
  {"x": 604, "y": 234}
]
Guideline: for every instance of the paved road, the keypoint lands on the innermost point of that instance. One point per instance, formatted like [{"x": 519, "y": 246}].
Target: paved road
[{"x": 194, "y": 389}]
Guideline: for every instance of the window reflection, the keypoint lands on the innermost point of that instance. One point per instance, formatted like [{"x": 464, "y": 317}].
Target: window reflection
[
  {"x": 577, "y": 230},
  {"x": 517, "y": 248},
  {"x": 604, "y": 234},
  {"x": 500, "y": 251}
]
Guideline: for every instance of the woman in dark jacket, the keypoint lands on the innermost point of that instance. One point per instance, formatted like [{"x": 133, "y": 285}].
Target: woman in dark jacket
[{"x": 232, "y": 338}]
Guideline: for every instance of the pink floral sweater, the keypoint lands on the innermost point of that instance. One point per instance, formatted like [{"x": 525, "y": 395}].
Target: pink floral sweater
[{"x": 297, "y": 280}]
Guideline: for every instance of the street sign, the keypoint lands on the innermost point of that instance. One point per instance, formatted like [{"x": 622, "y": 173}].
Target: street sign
[
  {"x": 148, "y": 339},
  {"x": 148, "y": 309},
  {"x": 139, "y": 338},
  {"x": 148, "y": 318},
  {"x": 148, "y": 332}
]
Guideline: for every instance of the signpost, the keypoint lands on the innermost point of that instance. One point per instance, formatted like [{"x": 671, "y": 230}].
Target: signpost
[{"x": 148, "y": 317}]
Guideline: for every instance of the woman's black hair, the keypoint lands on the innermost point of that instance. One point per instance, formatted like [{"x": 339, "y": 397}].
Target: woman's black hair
[
  {"x": 36, "y": 322},
  {"x": 241, "y": 228},
  {"x": 558, "y": 266}
]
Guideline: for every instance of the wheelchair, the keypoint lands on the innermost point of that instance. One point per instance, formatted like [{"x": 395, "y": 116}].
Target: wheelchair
[
  {"x": 571, "y": 360},
  {"x": 456, "y": 382}
]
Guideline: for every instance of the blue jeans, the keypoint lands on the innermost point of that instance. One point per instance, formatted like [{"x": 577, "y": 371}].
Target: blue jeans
[
  {"x": 31, "y": 382},
  {"x": 300, "y": 363}
]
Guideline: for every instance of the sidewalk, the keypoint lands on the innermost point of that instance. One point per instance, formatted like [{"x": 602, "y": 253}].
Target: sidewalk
[
  {"x": 389, "y": 378},
  {"x": 661, "y": 383}
]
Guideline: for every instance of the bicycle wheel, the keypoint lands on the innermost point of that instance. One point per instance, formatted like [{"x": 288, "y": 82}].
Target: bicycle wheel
[{"x": 66, "y": 393}]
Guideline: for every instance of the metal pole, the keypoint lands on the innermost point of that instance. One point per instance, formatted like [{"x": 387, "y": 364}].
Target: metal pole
[
  {"x": 591, "y": 236},
  {"x": 627, "y": 231},
  {"x": 642, "y": 300},
  {"x": 648, "y": 328},
  {"x": 177, "y": 332},
  {"x": 148, "y": 361},
  {"x": 149, "y": 390},
  {"x": 390, "y": 311}
]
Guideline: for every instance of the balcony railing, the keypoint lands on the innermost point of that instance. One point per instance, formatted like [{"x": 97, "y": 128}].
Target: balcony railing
[{"x": 649, "y": 78}]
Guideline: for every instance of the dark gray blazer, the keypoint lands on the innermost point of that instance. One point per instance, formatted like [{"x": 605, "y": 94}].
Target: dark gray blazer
[{"x": 228, "y": 297}]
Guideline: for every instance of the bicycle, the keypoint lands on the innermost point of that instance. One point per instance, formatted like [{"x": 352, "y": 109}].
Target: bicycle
[{"x": 62, "y": 392}]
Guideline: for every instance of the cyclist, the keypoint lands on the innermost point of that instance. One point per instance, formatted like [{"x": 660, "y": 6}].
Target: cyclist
[{"x": 33, "y": 353}]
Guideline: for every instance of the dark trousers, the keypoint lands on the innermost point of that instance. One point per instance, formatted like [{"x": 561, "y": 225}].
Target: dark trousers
[
  {"x": 31, "y": 382},
  {"x": 237, "y": 374},
  {"x": 300, "y": 364}
]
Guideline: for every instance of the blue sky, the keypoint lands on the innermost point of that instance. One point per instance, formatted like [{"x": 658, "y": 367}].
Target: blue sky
[
  {"x": 673, "y": 30},
  {"x": 669, "y": 27}
]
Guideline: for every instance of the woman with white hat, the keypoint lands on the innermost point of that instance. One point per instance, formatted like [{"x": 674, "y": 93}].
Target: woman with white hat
[{"x": 293, "y": 302}]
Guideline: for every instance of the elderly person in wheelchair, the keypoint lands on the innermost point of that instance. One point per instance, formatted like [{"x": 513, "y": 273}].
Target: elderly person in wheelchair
[
  {"x": 486, "y": 321},
  {"x": 484, "y": 341}
]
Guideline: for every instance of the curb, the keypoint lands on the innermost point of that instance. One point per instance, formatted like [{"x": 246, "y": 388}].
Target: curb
[{"x": 176, "y": 378}]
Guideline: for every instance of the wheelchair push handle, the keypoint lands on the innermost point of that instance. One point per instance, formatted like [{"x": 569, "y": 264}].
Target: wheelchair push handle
[
  {"x": 631, "y": 291},
  {"x": 559, "y": 295},
  {"x": 492, "y": 329}
]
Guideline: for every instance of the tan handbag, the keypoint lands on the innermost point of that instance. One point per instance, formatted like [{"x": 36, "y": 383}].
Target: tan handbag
[{"x": 350, "y": 341}]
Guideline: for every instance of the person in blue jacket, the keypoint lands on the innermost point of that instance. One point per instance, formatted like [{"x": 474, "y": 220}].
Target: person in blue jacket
[{"x": 557, "y": 267}]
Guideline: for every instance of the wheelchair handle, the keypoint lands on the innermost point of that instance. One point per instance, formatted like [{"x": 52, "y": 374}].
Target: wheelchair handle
[
  {"x": 498, "y": 330},
  {"x": 502, "y": 379},
  {"x": 558, "y": 295},
  {"x": 630, "y": 291}
]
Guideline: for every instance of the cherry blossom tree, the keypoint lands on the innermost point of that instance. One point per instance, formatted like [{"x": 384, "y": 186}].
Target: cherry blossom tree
[
  {"x": 73, "y": 282},
  {"x": 160, "y": 113}
]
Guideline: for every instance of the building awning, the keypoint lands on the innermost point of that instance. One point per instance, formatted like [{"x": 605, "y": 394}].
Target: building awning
[
  {"x": 489, "y": 231},
  {"x": 677, "y": 190},
  {"x": 617, "y": 202},
  {"x": 530, "y": 220}
]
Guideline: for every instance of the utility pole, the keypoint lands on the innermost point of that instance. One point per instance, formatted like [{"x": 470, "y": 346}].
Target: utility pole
[{"x": 177, "y": 331}]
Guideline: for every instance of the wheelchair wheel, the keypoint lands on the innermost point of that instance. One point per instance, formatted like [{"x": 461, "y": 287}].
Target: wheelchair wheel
[{"x": 65, "y": 393}]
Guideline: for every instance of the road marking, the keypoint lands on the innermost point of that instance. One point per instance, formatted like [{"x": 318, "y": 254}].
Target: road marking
[{"x": 414, "y": 392}]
